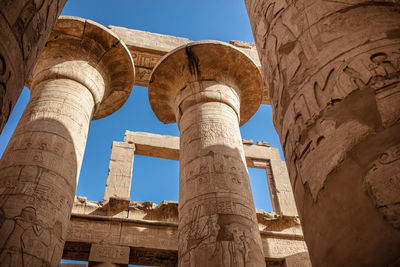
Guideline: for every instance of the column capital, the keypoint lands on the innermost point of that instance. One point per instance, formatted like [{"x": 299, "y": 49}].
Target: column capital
[
  {"x": 200, "y": 65},
  {"x": 91, "y": 54}
]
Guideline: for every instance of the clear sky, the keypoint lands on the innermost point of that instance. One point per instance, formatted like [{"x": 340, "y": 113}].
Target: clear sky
[{"x": 157, "y": 179}]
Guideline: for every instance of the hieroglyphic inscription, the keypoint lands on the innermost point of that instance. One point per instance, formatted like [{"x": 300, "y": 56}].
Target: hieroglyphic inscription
[
  {"x": 283, "y": 247},
  {"x": 335, "y": 109},
  {"x": 217, "y": 220},
  {"x": 213, "y": 228},
  {"x": 383, "y": 184},
  {"x": 144, "y": 64},
  {"x": 26, "y": 26},
  {"x": 381, "y": 76},
  {"x": 111, "y": 254}
]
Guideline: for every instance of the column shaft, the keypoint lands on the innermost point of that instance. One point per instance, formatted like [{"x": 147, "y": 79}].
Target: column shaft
[
  {"x": 84, "y": 72},
  {"x": 25, "y": 26},
  {"x": 39, "y": 172},
  {"x": 217, "y": 219},
  {"x": 333, "y": 72},
  {"x": 210, "y": 88}
]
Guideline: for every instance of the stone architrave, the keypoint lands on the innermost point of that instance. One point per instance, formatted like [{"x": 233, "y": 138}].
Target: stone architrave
[
  {"x": 84, "y": 73},
  {"x": 119, "y": 177},
  {"x": 210, "y": 88},
  {"x": 103, "y": 254},
  {"x": 333, "y": 73},
  {"x": 25, "y": 26}
]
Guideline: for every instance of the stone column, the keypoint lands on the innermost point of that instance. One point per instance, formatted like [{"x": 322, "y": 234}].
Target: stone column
[
  {"x": 25, "y": 26},
  {"x": 333, "y": 71},
  {"x": 210, "y": 88},
  {"x": 119, "y": 179},
  {"x": 84, "y": 73}
]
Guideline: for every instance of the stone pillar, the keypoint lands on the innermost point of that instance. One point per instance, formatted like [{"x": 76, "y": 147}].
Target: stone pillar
[
  {"x": 25, "y": 26},
  {"x": 84, "y": 73},
  {"x": 119, "y": 177},
  {"x": 279, "y": 187},
  {"x": 210, "y": 88},
  {"x": 333, "y": 71}
]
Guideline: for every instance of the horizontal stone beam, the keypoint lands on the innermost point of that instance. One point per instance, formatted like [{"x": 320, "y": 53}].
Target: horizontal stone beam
[
  {"x": 167, "y": 147},
  {"x": 151, "y": 232},
  {"x": 148, "y": 48}
]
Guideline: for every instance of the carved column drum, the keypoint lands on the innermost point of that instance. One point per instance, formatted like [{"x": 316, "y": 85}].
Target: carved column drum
[
  {"x": 210, "y": 88},
  {"x": 332, "y": 69},
  {"x": 84, "y": 73}
]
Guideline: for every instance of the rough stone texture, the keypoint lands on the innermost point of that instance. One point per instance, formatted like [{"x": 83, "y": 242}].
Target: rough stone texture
[
  {"x": 148, "y": 48},
  {"x": 333, "y": 70},
  {"x": 25, "y": 26},
  {"x": 119, "y": 177},
  {"x": 84, "y": 72},
  {"x": 72, "y": 265},
  {"x": 209, "y": 88},
  {"x": 258, "y": 156},
  {"x": 102, "y": 253},
  {"x": 301, "y": 259},
  {"x": 150, "y": 231}
]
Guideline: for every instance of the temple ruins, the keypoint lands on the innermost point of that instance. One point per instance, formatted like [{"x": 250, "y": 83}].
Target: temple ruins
[{"x": 329, "y": 69}]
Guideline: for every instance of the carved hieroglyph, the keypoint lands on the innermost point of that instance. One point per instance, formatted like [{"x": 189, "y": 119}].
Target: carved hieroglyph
[
  {"x": 209, "y": 88},
  {"x": 333, "y": 71},
  {"x": 150, "y": 231},
  {"x": 25, "y": 26},
  {"x": 84, "y": 73},
  {"x": 257, "y": 156}
]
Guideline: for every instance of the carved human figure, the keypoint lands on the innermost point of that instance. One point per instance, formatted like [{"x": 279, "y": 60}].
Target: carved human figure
[
  {"x": 337, "y": 112},
  {"x": 84, "y": 73},
  {"x": 210, "y": 88}
]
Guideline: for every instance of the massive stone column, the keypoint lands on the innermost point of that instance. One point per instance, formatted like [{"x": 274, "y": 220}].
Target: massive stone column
[
  {"x": 25, "y": 26},
  {"x": 210, "y": 88},
  {"x": 333, "y": 70},
  {"x": 84, "y": 73}
]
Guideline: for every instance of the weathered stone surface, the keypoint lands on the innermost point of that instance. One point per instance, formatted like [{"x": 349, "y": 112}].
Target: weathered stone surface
[
  {"x": 148, "y": 48},
  {"x": 301, "y": 259},
  {"x": 333, "y": 70},
  {"x": 119, "y": 177},
  {"x": 258, "y": 156},
  {"x": 25, "y": 26},
  {"x": 150, "y": 231},
  {"x": 84, "y": 72},
  {"x": 109, "y": 254},
  {"x": 72, "y": 265},
  {"x": 210, "y": 88}
]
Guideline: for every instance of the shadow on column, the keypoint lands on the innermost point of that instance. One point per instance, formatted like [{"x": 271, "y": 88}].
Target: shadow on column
[{"x": 38, "y": 175}]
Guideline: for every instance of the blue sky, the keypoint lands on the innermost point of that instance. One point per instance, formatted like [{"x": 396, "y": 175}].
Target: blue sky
[{"x": 157, "y": 179}]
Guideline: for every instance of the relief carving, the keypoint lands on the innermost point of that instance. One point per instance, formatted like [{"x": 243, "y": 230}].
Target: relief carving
[{"x": 382, "y": 182}]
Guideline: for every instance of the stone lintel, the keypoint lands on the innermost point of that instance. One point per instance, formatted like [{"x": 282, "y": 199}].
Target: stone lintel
[
  {"x": 167, "y": 147},
  {"x": 148, "y": 48},
  {"x": 154, "y": 145},
  {"x": 257, "y": 156},
  {"x": 107, "y": 253}
]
